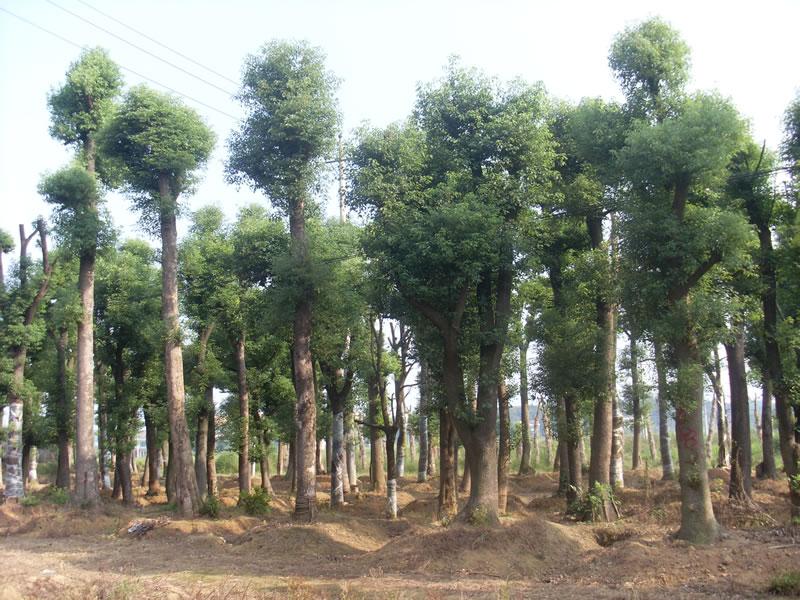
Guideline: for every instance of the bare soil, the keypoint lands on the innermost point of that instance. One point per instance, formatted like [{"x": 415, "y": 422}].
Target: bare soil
[{"x": 50, "y": 551}]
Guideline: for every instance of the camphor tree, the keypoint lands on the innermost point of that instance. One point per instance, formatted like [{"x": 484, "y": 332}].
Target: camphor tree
[
  {"x": 280, "y": 149},
  {"x": 676, "y": 229},
  {"x": 447, "y": 200},
  {"x": 79, "y": 109},
  {"x": 159, "y": 144}
]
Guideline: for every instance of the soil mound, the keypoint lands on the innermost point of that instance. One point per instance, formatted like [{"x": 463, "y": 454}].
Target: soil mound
[{"x": 528, "y": 547}]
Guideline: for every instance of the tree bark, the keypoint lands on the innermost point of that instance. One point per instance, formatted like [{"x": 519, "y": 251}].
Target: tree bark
[
  {"x": 424, "y": 402},
  {"x": 211, "y": 451},
  {"x": 87, "y": 491},
  {"x": 350, "y": 434},
  {"x": 698, "y": 524},
  {"x": 63, "y": 412},
  {"x": 767, "y": 468},
  {"x": 525, "y": 459},
  {"x": 305, "y": 507},
  {"x": 245, "y": 485},
  {"x": 667, "y": 472},
  {"x": 448, "y": 499},
  {"x": 741, "y": 486},
  {"x": 201, "y": 450},
  {"x": 602, "y": 442},
  {"x": 376, "y": 474},
  {"x": 572, "y": 444},
  {"x": 504, "y": 453},
  {"x": 186, "y": 494},
  {"x": 636, "y": 459},
  {"x": 151, "y": 438}
]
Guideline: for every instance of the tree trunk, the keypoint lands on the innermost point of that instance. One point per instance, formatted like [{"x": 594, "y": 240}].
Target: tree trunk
[
  {"x": 536, "y": 449},
  {"x": 741, "y": 485},
  {"x": 126, "y": 481},
  {"x": 424, "y": 401},
  {"x": 504, "y": 453},
  {"x": 12, "y": 456},
  {"x": 245, "y": 485},
  {"x": 151, "y": 439},
  {"x": 767, "y": 468},
  {"x": 525, "y": 459},
  {"x": 698, "y": 524},
  {"x": 350, "y": 451},
  {"x": 338, "y": 464},
  {"x": 376, "y": 475},
  {"x": 618, "y": 447},
  {"x": 87, "y": 491},
  {"x": 63, "y": 412},
  {"x": 723, "y": 440},
  {"x": 211, "y": 450},
  {"x": 663, "y": 413},
  {"x": 186, "y": 494},
  {"x": 201, "y": 450},
  {"x": 787, "y": 427},
  {"x": 305, "y": 507},
  {"x": 636, "y": 459},
  {"x": 572, "y": 443},
  {"x": 651, "y": 440},
  {"x": 448, "y": 499},
  {"x": 401, "y": 432},
  {"x": 104, "y": 454}
]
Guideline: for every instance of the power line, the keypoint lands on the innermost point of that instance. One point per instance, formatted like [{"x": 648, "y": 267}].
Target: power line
[
  {"x": 145, "y": 77},
  {"x": 140, "y": 49},
  {"x": 155, "y": 41}
]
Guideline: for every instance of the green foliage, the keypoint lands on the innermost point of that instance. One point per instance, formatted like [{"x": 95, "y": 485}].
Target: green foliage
[
  {"x": 30, "y": 501},
  {"x": 81, "y": 106},
  {"x": 155, "y": 140},
  {"x": 211, "y": 507},
  {"x": 58, "y": 495},
  {"x": 651, "y": 62},
  {"x": 786, "y": 584},
  {"x": 589, "y": 505},
  {"x": 290, "y": 125},
  {"x": 256, "y": 503},
  {"x": 227, "y": 462}
]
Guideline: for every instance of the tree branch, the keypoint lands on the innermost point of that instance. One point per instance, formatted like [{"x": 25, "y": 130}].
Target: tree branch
[{"x": 680, "y": 291}]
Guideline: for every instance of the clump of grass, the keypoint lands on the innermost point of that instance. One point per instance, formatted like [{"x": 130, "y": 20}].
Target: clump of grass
[
  {"x": 30, "y": 501},
  {"x": 786, "y": 584},
  {"x": 211, "y": 507},
  {"x": 256, "y": 503},
  {"x": 58, "y": 495}
]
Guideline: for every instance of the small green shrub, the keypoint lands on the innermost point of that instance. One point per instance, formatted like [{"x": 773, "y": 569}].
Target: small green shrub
[
  {"x": 58, "y": 495},
  {"x": 256, "y": 503},
  {"x": 786, "y": 584},
  {"x": 30, "y": 501},
  {"x": 210, "y": 507}
]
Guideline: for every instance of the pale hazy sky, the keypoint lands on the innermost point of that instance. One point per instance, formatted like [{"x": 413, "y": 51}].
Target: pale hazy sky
[{"x": 380, "y": 50}]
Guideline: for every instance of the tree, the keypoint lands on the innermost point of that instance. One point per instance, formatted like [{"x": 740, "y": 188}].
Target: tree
[
  {"x": 79, "y": 110},
  {"x": 676, "y": 233},
  {"x": 19, "y": 314},
  {"x": 159, "y": 145},
  {"x": 280, "y": 149},
  {"x": 447, "y": 201}
]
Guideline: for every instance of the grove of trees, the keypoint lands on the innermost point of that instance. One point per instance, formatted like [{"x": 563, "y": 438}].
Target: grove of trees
[{"x": 496, "y": 242}]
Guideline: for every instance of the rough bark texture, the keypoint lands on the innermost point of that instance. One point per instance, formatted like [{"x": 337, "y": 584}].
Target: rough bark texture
[
  {"x": 572, "y": 444},
  {"x": 767, "y": 468},
  {"x": 618, "y": 447},
  {"x": 698, "y": 524},
  {"x": 741, "y": 485},
  {"x": 186, "y": 495},
  {"x": 377, "y": 476},
  {"x": 351, "y": 436},
  {"x": 603, "y": 423},
  {"x": 151, "y": 438},
  {"x": 504, "y": 451},
  {"x": 636, "y": 458},
  {"x": 424, "y": 401},
  {"x": 201, "y": 452},
  {"x": 448, "y": 499},
  {"x": 63, "y": 412},
  {"x": 339, "y": 458},
  {"x": 211, "y": 450},
  {"x": 245, "y": 485},
  {"x": 525, "y": 459},
  {"x": 667, "y": 472},
  {"x": 87, "y": 492},
  {"x": 305, "y": 507}
]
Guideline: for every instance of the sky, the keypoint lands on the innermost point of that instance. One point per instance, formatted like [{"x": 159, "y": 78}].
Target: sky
[{"x": 379, "y": 50}]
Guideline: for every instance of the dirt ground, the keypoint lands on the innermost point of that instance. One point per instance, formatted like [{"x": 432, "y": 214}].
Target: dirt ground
[{"x": 52, "y": 551}]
